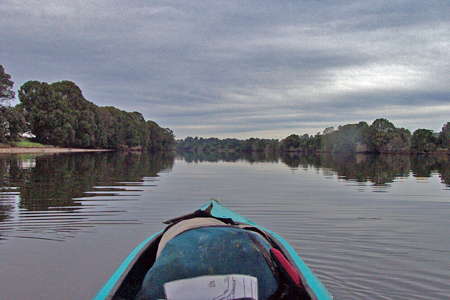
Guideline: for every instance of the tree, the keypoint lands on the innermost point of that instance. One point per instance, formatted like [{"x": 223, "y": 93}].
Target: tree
[
  {"x": 6, "y": 85},
  {"x": 12, "y": 124},
  {"x": 41, "y": 110},
  {"x": 12, "y": 121},
  {"x": 444, "y": 136},
  {"x": 384, "y": 137},
  {"x": 347, "y": 138},
  {"x": 423, "y": 141},
  {"x": 160, "y": 138},
  {"x": 382, "y": 125},
  {"x": 291, "y": 143}
]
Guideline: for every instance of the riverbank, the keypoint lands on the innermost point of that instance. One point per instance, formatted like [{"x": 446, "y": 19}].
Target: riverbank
[{"x": 18, "y": 150}]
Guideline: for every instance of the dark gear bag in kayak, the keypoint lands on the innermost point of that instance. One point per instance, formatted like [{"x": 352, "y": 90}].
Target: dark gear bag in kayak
[{"x": 216, "y": 250}]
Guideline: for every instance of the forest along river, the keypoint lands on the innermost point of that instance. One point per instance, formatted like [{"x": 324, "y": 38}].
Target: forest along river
[{"x": 370, "y": 227}]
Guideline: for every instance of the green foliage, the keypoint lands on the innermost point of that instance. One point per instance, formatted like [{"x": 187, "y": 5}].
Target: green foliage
[
  {"x": 206, "y": 145},
  {"x": 59, "y": 115},
  {"x": 347, "y": 138},
  {"x": 24, "y": 143},
  {"x": 380, "y": 137},
  {"x": 444, "y": 136},
  {"x": 6, "y": 85},
  {"x": 12, "y": 124},
  {"x": 304, "y": 143},
  {"x": 423, "y": 140},
  {"x": 292, "y": 142},
  {"x": 386, "y": 138},
  {"x": 160, "y": 138}
]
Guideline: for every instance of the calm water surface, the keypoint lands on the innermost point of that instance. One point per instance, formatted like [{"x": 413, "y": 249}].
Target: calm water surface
[{"x": 370, "y": 227}]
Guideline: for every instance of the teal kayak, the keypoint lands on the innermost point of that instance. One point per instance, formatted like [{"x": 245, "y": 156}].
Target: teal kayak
[{"x": 126, "y": 281}]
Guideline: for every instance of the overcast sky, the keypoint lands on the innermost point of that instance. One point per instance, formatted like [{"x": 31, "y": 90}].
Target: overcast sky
[{"x": 240, "y": 68}]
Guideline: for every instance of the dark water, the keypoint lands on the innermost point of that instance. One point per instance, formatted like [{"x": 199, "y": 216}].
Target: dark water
[{"x": 370, "y": 227}]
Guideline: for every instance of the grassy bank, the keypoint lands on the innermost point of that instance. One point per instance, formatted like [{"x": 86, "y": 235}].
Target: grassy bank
[
  {"x": 27, "y": 146},
  {"x": 25, "y": 143},
  {"x": 13, "y": 150}
]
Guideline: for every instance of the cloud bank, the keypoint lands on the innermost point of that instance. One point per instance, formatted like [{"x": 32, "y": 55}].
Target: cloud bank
[{"x": 241, "y": 68}]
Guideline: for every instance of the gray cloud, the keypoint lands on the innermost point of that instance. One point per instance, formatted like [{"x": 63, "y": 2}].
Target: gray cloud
[{"x": 240, "y": 68}]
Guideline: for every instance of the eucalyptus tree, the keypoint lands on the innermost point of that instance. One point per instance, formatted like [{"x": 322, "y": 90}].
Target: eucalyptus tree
[
  {"x": 12, "y": 121},
  {"x": 6, "y": 86}
]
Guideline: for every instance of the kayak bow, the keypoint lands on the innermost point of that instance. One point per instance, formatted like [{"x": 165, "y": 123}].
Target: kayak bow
[{"x": 126, "y": 280}]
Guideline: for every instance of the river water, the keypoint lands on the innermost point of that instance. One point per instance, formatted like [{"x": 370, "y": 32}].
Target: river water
[{"x": 369, "y": 227}]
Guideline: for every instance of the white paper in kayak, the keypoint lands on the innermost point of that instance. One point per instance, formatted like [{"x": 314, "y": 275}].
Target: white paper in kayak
[{"x": 214, "y": 287}]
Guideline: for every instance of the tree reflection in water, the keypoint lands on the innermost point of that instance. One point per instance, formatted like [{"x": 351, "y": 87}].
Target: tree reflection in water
[
  {"x": 377, "y": 169},
  {"x": 35, "y": 191},
  {"x": 251, "y": 157},
  {"x": 54, "y": 182}
]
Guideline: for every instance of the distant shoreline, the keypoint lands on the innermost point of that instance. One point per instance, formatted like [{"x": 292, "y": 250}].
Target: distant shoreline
[{"x": 18, "y": 150}]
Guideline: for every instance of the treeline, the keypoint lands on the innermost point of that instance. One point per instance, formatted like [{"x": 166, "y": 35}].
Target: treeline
[
  {"x": 199, "y": 144},
  {"x": 379, "y": 137},
  {"x": 58, "y": 114}
]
